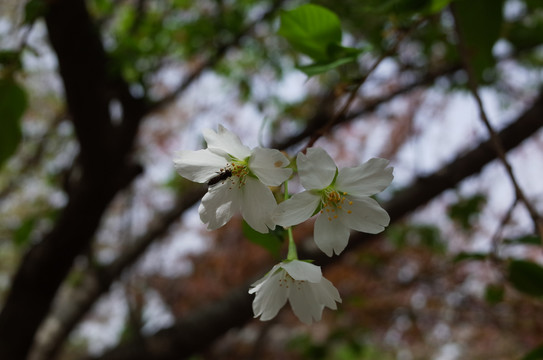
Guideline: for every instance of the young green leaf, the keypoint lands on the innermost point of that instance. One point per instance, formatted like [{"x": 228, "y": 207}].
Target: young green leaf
[
  {"x": 494, "y": 293},
  {"x": 480, "y": 24},
  {"x": 523, "y": 240},
  {"x": 270, "y": 241},
  {"x": 438, "y": 5},
  {"x": 21, "y": 236},
  {"x": 319, "y": 68},
  {"x": 466, "y": 210},
  {"x": 311, "y": 29},
  {"x": 33, "y": 10},
  {"x": 527, "y": 277}
]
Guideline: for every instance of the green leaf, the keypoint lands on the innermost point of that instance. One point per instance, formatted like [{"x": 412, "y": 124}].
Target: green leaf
[
  {"x": 480, "y": 24},
  {"x": 494, "y": 293},
  {"x": 10, "y": 59},
  {"x": 465, "y": 210},
  {"x": 470, "y": 256},
  {"x": 101, "y": 7},
  {"x": 311, "y": 29},
  {"x": 438, "y": 5},
  {"x": 22, "y": 234},
  {"x": 524, "y": 240},
  {"x": 535, "y": 354},
  {"x": 33, "y": 10},
  {"x": 527, "y": 277},
  {"x": 13, "y": 103},
  {"x": 319, "y": 68},
  {"x": 270, "y": 241},
  {"x": 416, "y": 235}
]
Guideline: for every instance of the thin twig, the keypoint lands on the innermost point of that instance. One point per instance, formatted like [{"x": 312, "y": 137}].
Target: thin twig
[
  {"x": 343, "y": 111},
  {"x": 499, "y": 231},
  {"x": 494, "y": 139}
]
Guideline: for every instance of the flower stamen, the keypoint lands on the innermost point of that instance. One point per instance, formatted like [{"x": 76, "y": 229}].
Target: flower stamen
[
  {"x": 332, "y": 200},
  {"x": 239, "y": 169}
]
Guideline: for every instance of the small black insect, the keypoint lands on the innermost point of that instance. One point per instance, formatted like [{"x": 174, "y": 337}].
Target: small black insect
[{"x": 223, "y": 175}]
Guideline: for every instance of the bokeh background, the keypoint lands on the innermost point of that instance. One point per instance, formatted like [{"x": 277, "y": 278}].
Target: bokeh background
[{"x": 102, "y": 252}]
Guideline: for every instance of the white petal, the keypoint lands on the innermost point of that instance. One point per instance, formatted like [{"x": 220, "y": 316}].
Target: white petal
[
  {"x": 367, "y": 179},
  {"x": 326, "y": 293},
  {"x": 225, "y": 142},
  {"x": 257, "y": 205},
  {"x": 301, "y": 270},
  {"x": 198, "y": 166},
  {"x": 330, "y": 235},
  {"x": 257, "y": 284},
  {"x": 304, "y": 304},
  {"x": 270, "y": 297},
  {"x": 366, "y": 215},
  {"x": 297, "y": 209},
  {"x": 316, "y": 169},
  {"x": 219, "y": 204},
  {"x": 269, "y": 166}
]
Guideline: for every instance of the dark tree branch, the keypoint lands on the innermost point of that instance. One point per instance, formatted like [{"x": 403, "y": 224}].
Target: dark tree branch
[
  {"x": 191, "y": 335},
  {"x": 105, "y": 160},
  {"x": 82, "y": 66},
  {"x": 75, "y": 303},
  {"x": 105, "y": 171},
  {"x": 198, "y": 331}
]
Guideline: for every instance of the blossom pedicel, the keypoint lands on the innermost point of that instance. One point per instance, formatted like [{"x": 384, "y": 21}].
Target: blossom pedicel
[{"x": 238, "y": 180}]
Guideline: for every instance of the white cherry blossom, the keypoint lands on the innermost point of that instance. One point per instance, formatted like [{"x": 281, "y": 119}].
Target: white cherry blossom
[
  {"x": 341, "y": 198},
  {"x": 238, "y": 178},
  {"x": 299, "y": 282}
]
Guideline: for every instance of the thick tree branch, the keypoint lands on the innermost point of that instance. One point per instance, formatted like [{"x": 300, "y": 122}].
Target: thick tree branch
[
  {"x": 198, "y": 331},
  {"x": 105, "y": 170},
  {"x": 121, "y": 142},
  {"x": 105, "y": 149},
  {"x": 82, "y": 66},
  {"x": 75, "y": 303}
]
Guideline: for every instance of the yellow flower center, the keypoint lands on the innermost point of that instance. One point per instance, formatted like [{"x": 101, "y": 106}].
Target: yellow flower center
[
  {"x": 239, "y": 169},
  {"x": 334, "y": 201}
]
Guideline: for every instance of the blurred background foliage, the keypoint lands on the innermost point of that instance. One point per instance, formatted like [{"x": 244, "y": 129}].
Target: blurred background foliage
[{"x": 457, "y": 278}]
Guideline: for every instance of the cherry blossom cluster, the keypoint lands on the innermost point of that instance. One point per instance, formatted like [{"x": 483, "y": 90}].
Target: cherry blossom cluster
[{"x": 239, "y": 181}]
